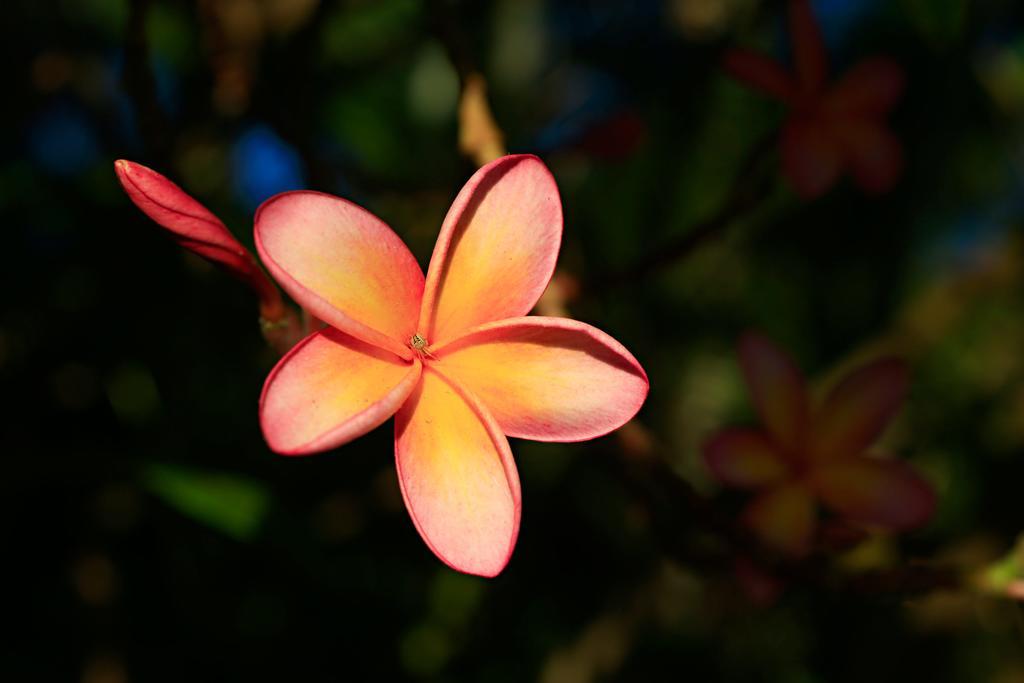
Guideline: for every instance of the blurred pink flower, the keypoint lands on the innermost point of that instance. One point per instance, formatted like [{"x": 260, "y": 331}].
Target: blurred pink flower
[
  {"x": 805, "y": 454},
  {"x": 833, "y": 127}
]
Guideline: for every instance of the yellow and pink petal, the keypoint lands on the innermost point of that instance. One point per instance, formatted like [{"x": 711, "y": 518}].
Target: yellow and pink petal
[
  {"x": 876, "y": 492},
  {"x": 457, "y": 476},
  {"x": 854, "y": 414},
  {"x": 548, "y": 379},
  {"x": 777, "y": 388},
  {"x": 330, "y": 389},
  {"x": 496, "y": 251},
  {"x": 344, "y": 265}
]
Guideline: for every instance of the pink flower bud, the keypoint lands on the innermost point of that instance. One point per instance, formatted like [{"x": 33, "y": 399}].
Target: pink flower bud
[{"x": 193, "y": 227}]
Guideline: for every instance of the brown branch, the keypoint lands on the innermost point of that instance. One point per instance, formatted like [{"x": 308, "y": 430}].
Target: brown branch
[{"x": 751, "y": 187}]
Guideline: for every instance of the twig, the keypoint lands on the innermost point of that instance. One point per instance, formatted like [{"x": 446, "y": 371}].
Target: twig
[{"x": 748, "y": 191}]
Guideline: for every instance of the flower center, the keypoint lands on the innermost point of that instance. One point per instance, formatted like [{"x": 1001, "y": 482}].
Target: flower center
[{"x": 418, "y": 343}]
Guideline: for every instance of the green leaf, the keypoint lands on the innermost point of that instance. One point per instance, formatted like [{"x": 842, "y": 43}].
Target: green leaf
[
  {"x": 231, "y": 504},
  {"x": 1001, "y": 576}
]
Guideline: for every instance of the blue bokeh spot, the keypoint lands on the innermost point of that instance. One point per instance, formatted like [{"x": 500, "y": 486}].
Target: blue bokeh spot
[
  {"x": 263, "y": 164},
  {"x": 62, "y": 140}
]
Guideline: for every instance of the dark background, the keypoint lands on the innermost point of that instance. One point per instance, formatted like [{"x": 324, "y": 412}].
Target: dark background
[{"x": 150, "y": 535}]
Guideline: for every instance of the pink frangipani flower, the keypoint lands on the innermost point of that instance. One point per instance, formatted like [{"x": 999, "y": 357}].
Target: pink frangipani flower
[
  {"x": 806, "y": 453},
  {"x": 452, "y": 356},
  {"x": 832, "y": 127}
]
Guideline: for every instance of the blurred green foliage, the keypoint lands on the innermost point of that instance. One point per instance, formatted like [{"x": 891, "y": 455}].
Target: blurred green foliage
[{"x": 234, "y": 505}]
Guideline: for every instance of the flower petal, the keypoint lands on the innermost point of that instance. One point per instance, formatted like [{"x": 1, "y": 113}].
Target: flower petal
[
  {"x": 874, "y": 155},
  {"x": 783, "y": 518},
  {"x": 760, "y": 73},
  {"x": 877, "y": 492},
  {"x": 548, "y": 379},
  {"x": 812, "y": 157},
  {"x": 458, "y": 478},
  {"x": 343, "y": 264},
  {"x": 858, "y": 409},
  {"x": 871, "y": 87},
  {"x": 744, "y": 458},
  {"x": 809, "y": 54},
  {"x": 193, "y": 227},
  {"x": 330, "y": 389},
  {"x": 776, "y": 386},
  {"x": 497, "y": 248}
]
